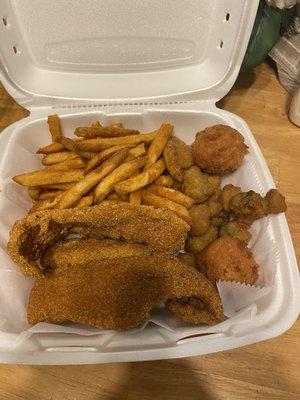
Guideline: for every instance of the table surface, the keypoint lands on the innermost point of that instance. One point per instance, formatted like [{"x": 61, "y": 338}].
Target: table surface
[{"x": 267, "y": 370}]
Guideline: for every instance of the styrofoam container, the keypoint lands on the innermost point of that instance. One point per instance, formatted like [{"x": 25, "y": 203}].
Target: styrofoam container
[{"x": 142, "y": 63}]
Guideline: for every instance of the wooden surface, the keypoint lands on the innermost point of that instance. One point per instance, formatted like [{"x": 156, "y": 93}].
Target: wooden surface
[{"x": 268, "y": 370}]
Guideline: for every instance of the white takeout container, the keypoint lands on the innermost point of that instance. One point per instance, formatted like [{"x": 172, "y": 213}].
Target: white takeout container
[{"x": 141, "y": 62}]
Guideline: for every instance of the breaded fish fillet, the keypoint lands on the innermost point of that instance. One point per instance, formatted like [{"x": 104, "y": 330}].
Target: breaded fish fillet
[
  {"x": 160, "y": 229},
  {"x": 117, "y": 293},
  {"x": 84, "y": 251}
]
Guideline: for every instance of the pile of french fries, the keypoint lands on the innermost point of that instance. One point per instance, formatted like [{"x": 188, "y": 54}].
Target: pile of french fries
[{"x": 109, "y": 164}]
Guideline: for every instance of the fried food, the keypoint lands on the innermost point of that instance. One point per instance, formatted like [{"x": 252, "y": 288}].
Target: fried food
[
  {"x": 195, "y": 244},
  {"x": 214, "y": 203},
  {"x": 117, "y": 293},
  {"x": 70, "y": 144},
  {"x": 236, "y": 229},
  {"x": 111, "y": 181},
  {"x": 99, "y": 144},
  {"x": 104, "y": 131},
  {"x": 54, "y": 158},
  {"x": 192, "y": 311},
  {"x": 201, "y": 219},
  {"x": 229, "y": 259},
  {"x": 135, "y": 198},
  {"x": 174, "y": 195},
  {"x": 74, "y": 163},
  {"x": 188, "y": 259},
  {"x": 199, "y": 185},
  {"x": 249, "y": 205},
  {"x": 49, "y": 194},
  {"x": 48, "y": 177},
  {"x": 51, "y": 148},
  {"x": 227, "y": 193},
  {"x": 92, "y": 179},
  {"x": 178, "y": 156},
  {"x": 152, "y": 199},
  {"x": 85, "y": 201},
  {"x": 220, "y": 220},
  {"x": 85, "y": 251},
  {"x": 159, "y": 229},
  {"x": 164, "y": 180},
  {"x": 34, "y": 192},
  {"x": 275, "y": 202},
  {"x": 141, "y": 180},
  {"x": 219, "y": 149},
  {"x": 157, "y": 146},
  {"x": 54, "y": 128}
]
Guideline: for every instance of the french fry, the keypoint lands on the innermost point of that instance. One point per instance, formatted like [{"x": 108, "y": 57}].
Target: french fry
[
  {"x": 119, "y": 174},
  {"x": 70, "y": 145},
  {"x": 104, "y": 132},
  {"x": 137, "y": 151},
  {"x": 174, "y": 195},
  {"x": 34, "y": 192},
  {"x": 99, "y": 158},
  {"x": 54, "y": 158},
  {"x": 54, "y": 128},
  {"x": 58, "y": 186},
  {"x": 143, "y": 179},
  {"x": 50, "y": 194},
  {"x": 99, "y": 144},
  {"x": 48, "y": 177},
  {"x": 164, "y": 180},
  {"x": 158, "y": 144},
  {"x": 115, "y": 196},
  {"x": 74, "y": 163},
  {"x": 46, "y": 204},
  {"x": 90, "y": 180},
  {"x": 152, "y": 199},
  {"x": 85, "y": 201},
  {"x": 51, "y": 148},
  {"x": 135, "y": 198}
]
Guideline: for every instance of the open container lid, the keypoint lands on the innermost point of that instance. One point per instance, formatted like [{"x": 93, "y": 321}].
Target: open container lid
[{"x": 63, "y": 52}]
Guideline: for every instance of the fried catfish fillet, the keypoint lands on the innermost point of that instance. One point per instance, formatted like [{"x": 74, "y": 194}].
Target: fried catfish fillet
[
  {"x": 158, "y": 228},
  {"x": 117, "y": 293},
  {"x": 84, "y": 251}
]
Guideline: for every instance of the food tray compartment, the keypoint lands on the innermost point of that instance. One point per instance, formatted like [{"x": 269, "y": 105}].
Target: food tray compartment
[{"x": 270, "y": 316}]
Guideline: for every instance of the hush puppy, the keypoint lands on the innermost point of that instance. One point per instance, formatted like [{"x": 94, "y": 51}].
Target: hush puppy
[
  {"x": 219, "y": 149},
  {"x": 228, "y": 259}
]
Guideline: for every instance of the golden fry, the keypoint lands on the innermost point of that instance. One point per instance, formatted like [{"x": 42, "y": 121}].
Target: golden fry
[
  {"x": 104, "y": 132},
  {"x": 119, "y": 174},
  {"x": 54, "y": 158},
  {"x": 158, "y": 144},
  {"x": 48, "y": 177},
  {"x": 70, "y": 145},
  {"x": 54, "y": 128},
  {"x": 50, "y": 194},
  {"x": 51, "y": 148},
  {"x": 90, "y": 180},
  {"x": 172, "y": 194},
  {"x": 135, "y": 198},
  {"x": 45, "y": 204},
  {"x": 151, "y": 199},
  {"x": 58, "y": 186},
  {"x": 99, "y": 144},
  {"x": 141, "y": 180},
  {"x": 85, "y": 201},
  {"x": 34, "y": 192},
  {"x": 74, "y": 163},
  {"x": 164, "y": 180},
  {"x": 99, "y": 158}
]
